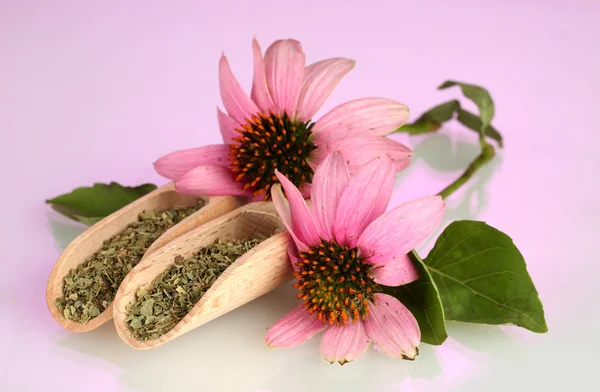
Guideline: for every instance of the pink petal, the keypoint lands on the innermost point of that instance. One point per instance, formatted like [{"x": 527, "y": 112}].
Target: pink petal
[
  {"x": 358, "y": 150},
  {"x": 238, "y": 104},
  {"x": 328, "y": 183},
  {"x": 365, "y": 198},
  {"x": 392, "y": 327},
  {"x": 293, "y": 329},
  {"x": 174, "y": 165},
  {"x": 209, "y": 180},
  {"x": 305, "y": 189},
  {"x": 314, "y": 163},
  {"x": 284, "y": 66},
  {"x": 294, "y": 259},
  {"x": 396, "y": 232},
  {"x": 260, "y": 92},
  {"x": 283, "y": 209},
  {"x": 394, "y": 272},
  {"x": 344, "y": 343},
  {"x": 366, "y": 116},
  {"x": 319, "y": 81},
  {"x": 227, "y": 125},
  {"x": 303, "y": 222}
]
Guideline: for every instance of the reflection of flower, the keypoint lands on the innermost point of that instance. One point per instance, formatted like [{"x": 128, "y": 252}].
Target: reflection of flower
[
  {"x": 344, "y": 246},
  {"x": 272, "y": 129}
]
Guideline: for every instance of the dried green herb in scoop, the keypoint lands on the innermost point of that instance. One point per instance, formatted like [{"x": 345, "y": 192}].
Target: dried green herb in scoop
[
  {"x": 91, "y": 287},
  {"x": 160, "y": 306}
]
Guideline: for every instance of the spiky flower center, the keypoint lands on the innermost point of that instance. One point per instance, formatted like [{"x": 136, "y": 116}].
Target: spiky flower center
[
  {"x": 335, "y": 283},
  {"x": 268, "y": 142}
]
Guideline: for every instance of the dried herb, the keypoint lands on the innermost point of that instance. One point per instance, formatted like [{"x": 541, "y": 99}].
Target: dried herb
[
  {"x": 161, "y": 305},
  {"x": 90, "y": 288}
]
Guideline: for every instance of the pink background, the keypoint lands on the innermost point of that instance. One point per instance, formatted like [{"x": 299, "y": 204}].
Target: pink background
[{"x": 96, "y": 91}]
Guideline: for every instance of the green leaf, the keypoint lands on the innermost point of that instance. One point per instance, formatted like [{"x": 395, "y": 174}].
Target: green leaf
[
  {"x": 422, "y": 298},
  {"x": 91, "y": 204},
  {"x": 473, "y": 122},
  {"x": 482, "y": 278},
  {"x": 432, "y": 119},
  {"x": 417, "y": 128},
  {"x": 89, "y": 221},
  {"x": 480, "y": 96},
  {"x": 441, "y": 113}
]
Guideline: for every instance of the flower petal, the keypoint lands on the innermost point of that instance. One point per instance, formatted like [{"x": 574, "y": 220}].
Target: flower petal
[
  {"x": 329, "y": 181},
  {"x": 396, "y": 232},
  {"x": 209, "y": 180},
  {"x": 345, "y": 343},
  {"x": 293, "y": 255},
  {"x": 392, "y": 327},
  {"x": 284, "y": 66},
  {"x": 305, "y": 189},
  {"x": 319, "y": 81},
  {"x": 366, "y": 116},
  {"x": 236, "y": 101},
  {"x": 303, "y": 222},
  {"x": 260, "y": 92},
  {"x": 293, "y": 329},
  {"x": 358, "y": 150},
  {"x": 227, "y": 125},
  {"x": 365, "y": 198},
  {"x": 283, "y": 209},
  {"x": 174, "y": 165},
  {"x": 394, "y": 272}
]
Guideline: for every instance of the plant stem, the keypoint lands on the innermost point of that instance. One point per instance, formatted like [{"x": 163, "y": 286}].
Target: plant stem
[{"x": 487, "y": 153}]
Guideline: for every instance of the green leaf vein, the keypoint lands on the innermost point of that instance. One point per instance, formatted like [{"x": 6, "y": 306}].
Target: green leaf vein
[{"x": 483, "y": 295}]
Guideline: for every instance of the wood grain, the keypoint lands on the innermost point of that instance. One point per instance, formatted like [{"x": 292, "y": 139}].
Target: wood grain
[
  {"x": 257, "y": 272},
  {"x": 90, "y": 241}
]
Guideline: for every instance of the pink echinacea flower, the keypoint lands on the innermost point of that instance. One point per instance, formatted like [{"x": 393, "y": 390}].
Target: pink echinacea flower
[
  {"x": 345, "y": 244},
  {"x": 272, "y": 129}
]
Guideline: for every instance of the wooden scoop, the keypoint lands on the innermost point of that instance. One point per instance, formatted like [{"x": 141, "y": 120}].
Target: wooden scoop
[
  {"x": 258, "y": 271},
  {"x": 90, "y": 241}
]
